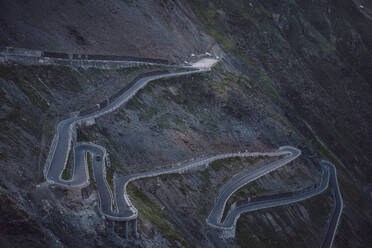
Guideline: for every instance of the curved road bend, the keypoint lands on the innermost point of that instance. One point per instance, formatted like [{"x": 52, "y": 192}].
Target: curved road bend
[
  {"x": 336, "y": 215},
  {"x": 61, "y": 144},
  {"x": 229, "y": 224},
  {"x": 228, "y": 189},
  {"x": 124, "y": 204},
  {"x": 122, "y": 209}
]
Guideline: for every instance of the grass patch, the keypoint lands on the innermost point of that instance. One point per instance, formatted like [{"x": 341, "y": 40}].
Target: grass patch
[
  {"x": 207, "y": 12},
  {"x": 246, "y": 233},
  {"x": 2, "y": 156},
  {"x": 18, "y": 76},
  {"x": 269, "y": 88},
  {"x": 90, "y": 170},
  {"x": 243, "y": 194},
  {"x": 152, "y": 212},
  {"x": 223, "y": 163},
  {"x": 115, "y": 164},
  {"x": 67, "y": 172},
  {"x": 325, "y": 48},
  {"x": 130, "y": 3},
  {"x": 319, "y": 208},
  {"x": 109, "y": 177}
]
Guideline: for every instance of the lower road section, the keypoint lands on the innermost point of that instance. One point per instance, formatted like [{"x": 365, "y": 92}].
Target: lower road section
[{"x": 339, "y": 205}]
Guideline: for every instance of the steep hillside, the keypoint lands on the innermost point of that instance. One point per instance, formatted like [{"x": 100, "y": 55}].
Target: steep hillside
[
  {"x": 314, "y": 61},
  {"x": 33, "y": 99},
  {"x": 158, "y": 29},
  {"x": 292, "y": 73}
]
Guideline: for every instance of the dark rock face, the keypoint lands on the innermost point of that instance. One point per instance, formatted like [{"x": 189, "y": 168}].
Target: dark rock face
[
  {"x": 18, "y": 228},
  {"x": 293, "y": 72},
  {"x": 156, "y": 29},
  {"x": 317, "y": 56}
]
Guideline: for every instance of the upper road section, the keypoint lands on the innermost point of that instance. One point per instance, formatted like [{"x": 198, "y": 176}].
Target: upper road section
[{"x": 62, "y": 140}]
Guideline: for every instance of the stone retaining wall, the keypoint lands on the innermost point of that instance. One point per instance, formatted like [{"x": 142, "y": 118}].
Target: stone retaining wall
[{"x": 33, "y": 57}]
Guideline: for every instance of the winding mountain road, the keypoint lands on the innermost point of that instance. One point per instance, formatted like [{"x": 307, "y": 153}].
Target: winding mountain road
[
  {"x": 229, "y": 224},
  {"x": 117, "y": 205},
  {"x": 61, "y": 144},
  {"x": 339, "y": 205}
]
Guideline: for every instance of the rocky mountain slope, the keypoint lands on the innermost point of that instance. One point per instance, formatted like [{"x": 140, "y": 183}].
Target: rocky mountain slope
[
  {"x": 293, "y": 73},
  {"x": 161, "y": 29}
]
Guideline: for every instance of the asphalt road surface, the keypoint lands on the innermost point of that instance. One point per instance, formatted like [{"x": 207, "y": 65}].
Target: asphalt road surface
[{"x": 117, "y": 205}]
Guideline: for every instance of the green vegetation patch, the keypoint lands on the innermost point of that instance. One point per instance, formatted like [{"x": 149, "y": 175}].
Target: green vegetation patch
[
  {"x": 109, "y": 177},
  {"x": 208, "y": 14},
  {"x": 19, "y": 76},
  {"x": 264, "y": 237},
  {"x": 67, "y": 172},
  {"x": 90, "y": 169},
  {"x": 224, "y": 163},
  {"x": 152, "y": 212}
]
